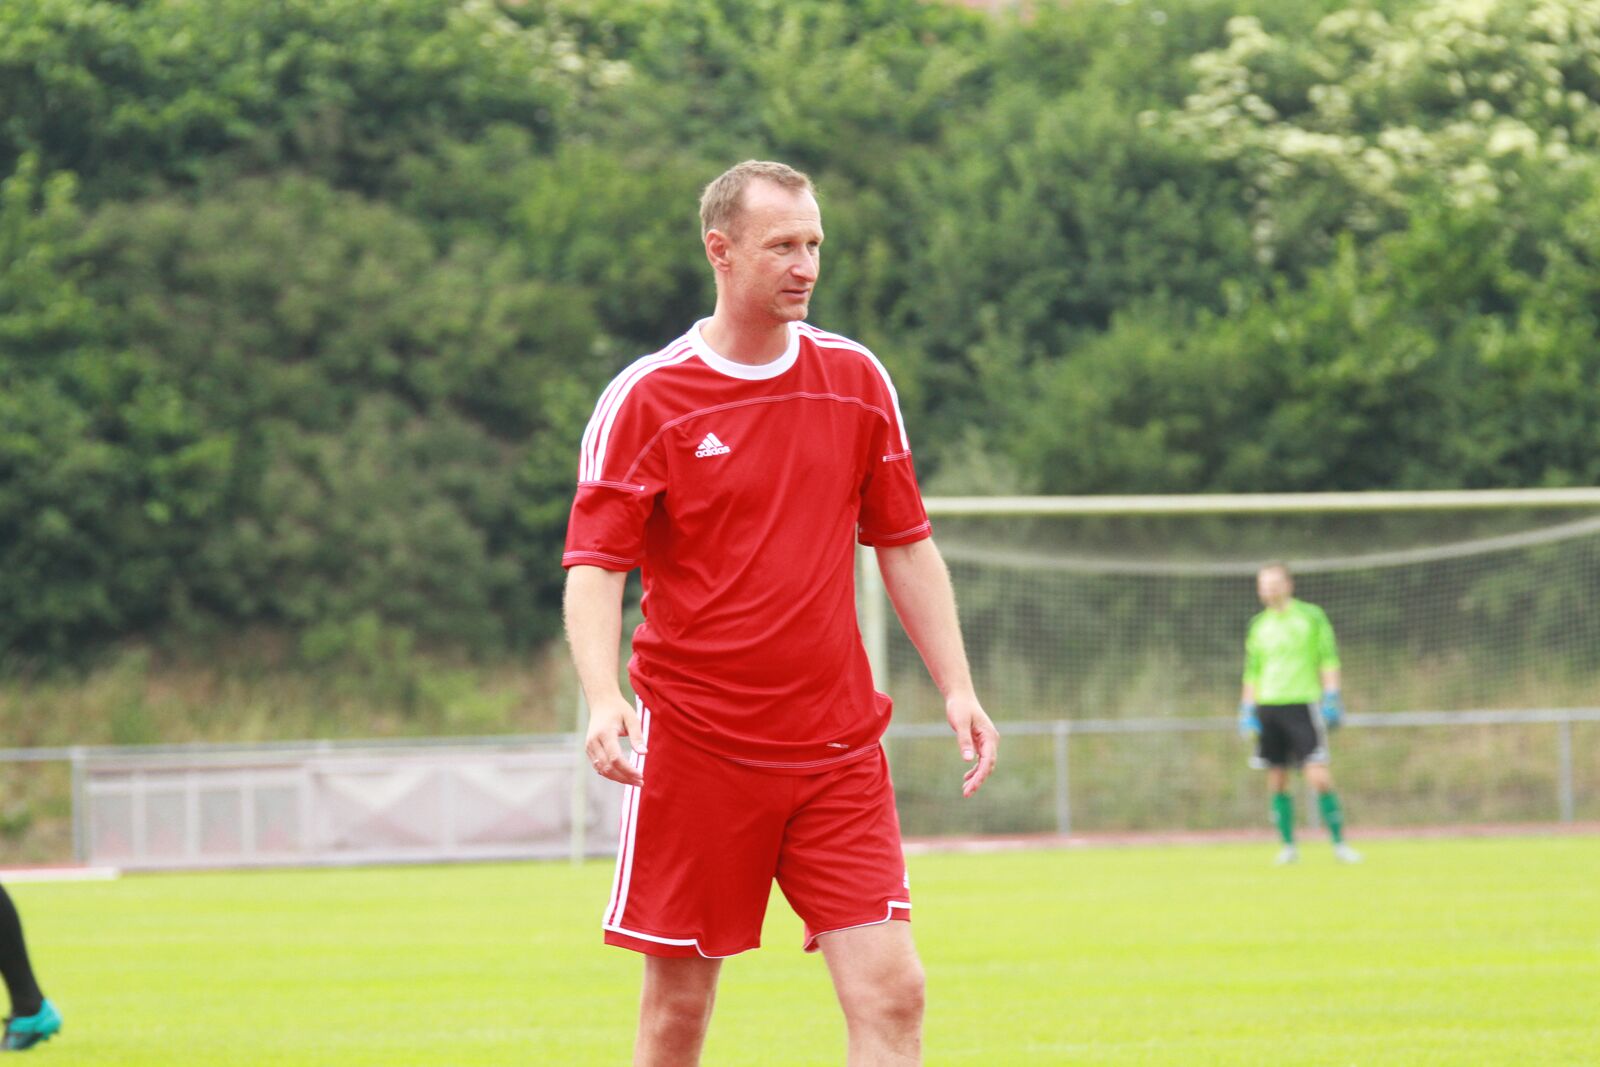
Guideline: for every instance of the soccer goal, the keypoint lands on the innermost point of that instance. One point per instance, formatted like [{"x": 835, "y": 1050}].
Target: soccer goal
[{"x": 1128, "y": 614}]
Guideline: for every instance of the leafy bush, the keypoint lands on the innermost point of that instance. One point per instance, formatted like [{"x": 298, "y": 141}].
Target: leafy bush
[{"x": 303, "y": 307}]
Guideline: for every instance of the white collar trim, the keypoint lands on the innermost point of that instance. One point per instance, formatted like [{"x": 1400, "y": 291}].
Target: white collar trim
[{"x": 754, "y": 372}]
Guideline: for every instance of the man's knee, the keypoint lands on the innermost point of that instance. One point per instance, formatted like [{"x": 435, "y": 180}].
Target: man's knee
[
  {"x": 910, "y": 992},
  {"x": 684, "y": 1001},
  {"x": 683, "y": 1009},
  {"x": 678, "y": 995},
  {"x": 893, "y": 995}
]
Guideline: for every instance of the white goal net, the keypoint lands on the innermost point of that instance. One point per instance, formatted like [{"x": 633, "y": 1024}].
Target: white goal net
[{"x": 1133, "y": 611}]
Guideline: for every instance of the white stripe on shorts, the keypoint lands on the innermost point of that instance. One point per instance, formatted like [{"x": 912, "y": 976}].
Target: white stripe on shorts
[{"x": 630, "y": 823}]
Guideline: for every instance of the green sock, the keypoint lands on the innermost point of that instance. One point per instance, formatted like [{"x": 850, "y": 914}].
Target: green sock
[
  {"x": 1283, "y": 815},
  {"x": 1332, "y": 816}
]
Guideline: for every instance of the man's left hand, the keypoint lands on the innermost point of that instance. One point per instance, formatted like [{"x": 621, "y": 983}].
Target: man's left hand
[
  {"x": 1332, "y": 709},
  {"x": 976, "y": 735}
]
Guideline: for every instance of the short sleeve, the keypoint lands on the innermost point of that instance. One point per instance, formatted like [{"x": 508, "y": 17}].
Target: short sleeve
[
  {"x": 892, "y": 512},
  {"x": 620, "y": 476},
  {"x": 1327, "y": 647},
  {"x": 1252, "y": 658}
]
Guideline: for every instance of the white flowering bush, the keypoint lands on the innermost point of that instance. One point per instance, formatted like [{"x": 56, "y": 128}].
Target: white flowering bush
[{"x": 1458, "y": 98}]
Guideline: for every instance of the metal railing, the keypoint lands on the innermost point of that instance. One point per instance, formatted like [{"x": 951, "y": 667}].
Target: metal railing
[
  {"x": 1057, "y": 776},
  {"x": 1562, "y": 798},
  {"x": 136, "y": 772}
]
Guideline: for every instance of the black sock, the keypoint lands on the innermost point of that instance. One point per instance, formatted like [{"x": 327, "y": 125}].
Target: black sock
[{"x": 14, "y": 966}]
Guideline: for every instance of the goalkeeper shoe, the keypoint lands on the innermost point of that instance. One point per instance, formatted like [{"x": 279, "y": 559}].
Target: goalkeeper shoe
[
  {"x": 26, "y": 1031},
  {"x": 1286, "y": 855},
  {"x": 1345, "y": 854}
]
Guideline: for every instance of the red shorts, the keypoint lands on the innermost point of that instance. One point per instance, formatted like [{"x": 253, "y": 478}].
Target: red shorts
[{"x": 704, "y": 837}]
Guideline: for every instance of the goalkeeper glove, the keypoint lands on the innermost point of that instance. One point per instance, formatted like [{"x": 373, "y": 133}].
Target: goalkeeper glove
[
  {"x": 1332, "y": 709},
  {"x": 1249, "y": 722}
]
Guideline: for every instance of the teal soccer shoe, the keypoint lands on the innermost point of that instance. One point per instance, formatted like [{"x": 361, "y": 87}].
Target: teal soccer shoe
[{"x": 26, "y": 1031}]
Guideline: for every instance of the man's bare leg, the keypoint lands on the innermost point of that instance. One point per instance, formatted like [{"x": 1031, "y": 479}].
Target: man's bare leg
[
  {"x": 675, "y": 1010},
  {"x": 879, "y": 981}
]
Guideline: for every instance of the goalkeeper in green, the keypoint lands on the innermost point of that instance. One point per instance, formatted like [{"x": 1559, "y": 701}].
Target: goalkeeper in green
[{"x": 1290, "y": 701}]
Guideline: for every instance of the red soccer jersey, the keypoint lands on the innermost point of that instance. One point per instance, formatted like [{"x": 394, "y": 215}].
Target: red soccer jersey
[{"x": 740, "y": 491}]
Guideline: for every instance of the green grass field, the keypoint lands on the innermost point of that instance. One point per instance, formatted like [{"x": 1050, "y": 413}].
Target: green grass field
[{"x": 1433, "y": 952}]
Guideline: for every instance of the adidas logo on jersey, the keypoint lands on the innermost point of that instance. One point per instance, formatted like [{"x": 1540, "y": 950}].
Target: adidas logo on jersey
[{"x": 711, "y": 447}]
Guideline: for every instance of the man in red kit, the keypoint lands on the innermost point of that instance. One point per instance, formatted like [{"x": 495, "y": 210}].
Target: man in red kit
[{"x": 736, "y": 468}]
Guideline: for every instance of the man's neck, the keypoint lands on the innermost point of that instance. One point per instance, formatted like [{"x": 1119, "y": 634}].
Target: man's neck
[{"x": 752, "y": 342}]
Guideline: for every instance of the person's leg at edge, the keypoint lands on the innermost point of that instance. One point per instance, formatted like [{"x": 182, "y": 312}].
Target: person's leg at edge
[
  {"x": 879, "y": 981},
  {"x": 26, "y": 999},
  {"x": 1327, "y": 800},
  {"x": 1282, "y": 804},
  {"x": 675, "y": 1010}
]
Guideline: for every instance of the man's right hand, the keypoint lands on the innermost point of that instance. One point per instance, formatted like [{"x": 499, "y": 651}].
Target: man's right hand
[
  {"x": 608, "y": 724},
  {"x": 1249, "y": 721}
]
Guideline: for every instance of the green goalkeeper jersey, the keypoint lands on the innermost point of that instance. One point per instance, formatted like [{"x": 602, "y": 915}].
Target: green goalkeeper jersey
[{"x": 1286, "y": 651}]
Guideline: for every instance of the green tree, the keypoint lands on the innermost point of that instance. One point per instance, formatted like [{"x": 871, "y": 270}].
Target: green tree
[
  {"x": 107, "y": 480},
  {"x": 385, "y": 394}
]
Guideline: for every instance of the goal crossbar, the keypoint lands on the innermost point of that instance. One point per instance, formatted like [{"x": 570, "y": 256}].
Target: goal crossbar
[
  {"x": 1266, "y": 503},
  {"x": 1043, "y": 561}
]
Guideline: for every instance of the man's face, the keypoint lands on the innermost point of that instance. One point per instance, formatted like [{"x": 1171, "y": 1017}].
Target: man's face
[
  {"x": 1274, "y": 587},
  {"x": 772, "y": 256}
]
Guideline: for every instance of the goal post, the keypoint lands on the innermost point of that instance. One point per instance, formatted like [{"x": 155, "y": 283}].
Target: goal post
[
  {"x": 1133, "y": 609},
  {"x": 1168, "y": 577}
]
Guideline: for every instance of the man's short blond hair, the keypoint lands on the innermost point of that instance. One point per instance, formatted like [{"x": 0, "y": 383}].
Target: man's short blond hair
[{"x": 722, "y": 199}]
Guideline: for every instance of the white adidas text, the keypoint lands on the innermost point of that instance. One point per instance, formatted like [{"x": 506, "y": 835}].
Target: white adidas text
[{"x": 710, "y": 446}]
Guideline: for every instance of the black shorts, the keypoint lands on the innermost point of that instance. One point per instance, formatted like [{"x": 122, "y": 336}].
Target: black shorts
[{"x": 1291, "y": 735}]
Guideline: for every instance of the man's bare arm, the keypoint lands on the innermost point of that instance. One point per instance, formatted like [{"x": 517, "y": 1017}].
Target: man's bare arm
[
  {"x": 593, "y": 610},
  {"x": 919, "y": 587}
]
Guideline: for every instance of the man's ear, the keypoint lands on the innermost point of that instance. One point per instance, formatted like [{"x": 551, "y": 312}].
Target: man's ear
[{"x": 718, "y": 245}]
